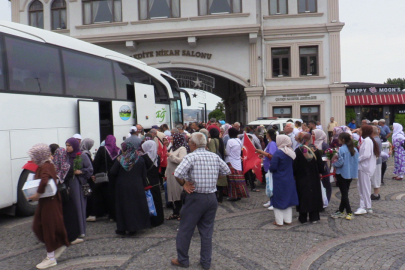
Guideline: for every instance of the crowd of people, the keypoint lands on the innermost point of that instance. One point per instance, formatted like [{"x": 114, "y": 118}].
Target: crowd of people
[{"x": 204, "y": 161}]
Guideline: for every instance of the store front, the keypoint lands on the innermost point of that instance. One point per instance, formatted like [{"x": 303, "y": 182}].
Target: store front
[{"x": 374, "y": 101}]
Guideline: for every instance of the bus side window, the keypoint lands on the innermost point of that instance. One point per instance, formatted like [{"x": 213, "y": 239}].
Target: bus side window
[{"x": 33, "y": 67}]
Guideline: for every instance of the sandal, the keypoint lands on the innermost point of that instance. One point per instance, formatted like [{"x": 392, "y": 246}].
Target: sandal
[
  {"x": 173, "y": 217},
  {"x": 397, "y": 178},
  {"x": 275, "y": 223},
  {"x": 255, "y": 190},
  {"x": 287, "y": 223}
]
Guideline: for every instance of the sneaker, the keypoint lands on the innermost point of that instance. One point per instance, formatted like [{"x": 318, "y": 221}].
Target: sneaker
[
  {"x": 374, "y": 197},
  {"x": 77, "y": 241},
  {"x": 349, "y": 216},
  {"x": 91, "y": 219},
  {"x": 370, "y": 211},
  {"x": 338, "y": 214},
  {"x": 266, "y": 204},
  {"x": 271, "y": 208},
  {"x": 314, "y": 222},
  {"x": 46, "y": 263},
  {"x": 360, "y": 211},
  {"x": 59, "y": 251}
]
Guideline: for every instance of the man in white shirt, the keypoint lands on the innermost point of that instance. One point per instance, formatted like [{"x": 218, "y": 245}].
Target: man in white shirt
[
  {"x": 288, "y": 129},
  {"x": 139, "y": 131},
  {"x": 318, "y": 125}
]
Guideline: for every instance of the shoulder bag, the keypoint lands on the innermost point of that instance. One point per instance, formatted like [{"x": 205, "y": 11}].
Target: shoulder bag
[
  {"x": 102, "y": 177},
  {"x": 217, "y": 148}
]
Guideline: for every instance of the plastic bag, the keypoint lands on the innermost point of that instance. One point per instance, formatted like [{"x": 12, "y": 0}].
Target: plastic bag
[
  {"x": 269, "y": 184},
  {"x": 324, "y": 198},
  {"x": 151, "y": 203}
]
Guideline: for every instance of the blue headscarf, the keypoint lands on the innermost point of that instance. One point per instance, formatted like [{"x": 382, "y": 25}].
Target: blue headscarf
[{"x": 129, "y": 156}]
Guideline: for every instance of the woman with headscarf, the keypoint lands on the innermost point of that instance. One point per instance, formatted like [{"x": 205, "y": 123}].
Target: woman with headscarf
[
  {"x": 284, "y": 189},
  {"x": 175, "y": 156},
  {"x": 320, "y": 144},
  {"x": 48, "y": 220},
  {"x": 132, "y": 211},
  {"x": 78, "y": 178},
  {"x": 70, "y": 217},
  {"x": 368, "y": 154},
  {"x": 268, "y": 153},
  {"x": 152, "y": 173},
  {"x": 308, "y": 169},
  {"x": 85, "y": 147},
  {"x": 103, "y": 197},
  {"x": 335, "y": 137},
  {"x": 225, "y": 137},
  {"x": 216, "y": 145},
  {"x": 237, "y": 188},
  {"x": 398, "y": 139}
]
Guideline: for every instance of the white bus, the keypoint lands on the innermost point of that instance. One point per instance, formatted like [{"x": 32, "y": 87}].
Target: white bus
[{"x": 53, "y": 86}]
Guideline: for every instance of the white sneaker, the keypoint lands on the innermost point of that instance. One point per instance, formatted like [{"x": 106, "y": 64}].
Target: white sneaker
[
  {"x": 59, "y": 251},
  {"x": 271, "y": 208},
  {"x": 46, "y": 263},
  {"x": 360, "y": 211},
  {"x": 77, "y": 241},
  {"x": 266, "y": 204},
  {"x": 91, "y": 219},
  {"x": 370, "y": 211}
]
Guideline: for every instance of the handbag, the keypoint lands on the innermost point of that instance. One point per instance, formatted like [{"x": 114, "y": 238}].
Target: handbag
[
  {"x": 269, "y": 184},
  {"x": 87, "y": 191},
  {"x": 64, "y": 192},
  {"x": 217, "y": 149},
  {"x": 151, "y": 203},
  {"x": 324, "y": 198},
  {"x": 102, "y": 177}
]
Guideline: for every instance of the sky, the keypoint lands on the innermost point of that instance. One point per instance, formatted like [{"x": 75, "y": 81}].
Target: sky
[{"x": 372, "y": 41}]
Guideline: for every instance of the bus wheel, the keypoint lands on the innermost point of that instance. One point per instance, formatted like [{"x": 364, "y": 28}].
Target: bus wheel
[{"x": 24, "y": 208}]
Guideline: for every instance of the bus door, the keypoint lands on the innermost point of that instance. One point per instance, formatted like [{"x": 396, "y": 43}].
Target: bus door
[
  {"x": 123, "y": 118},
  {"x": 89, "y": 120},
  {"x": 106, "y": 119},
  {"x": 145, "y": 105}
]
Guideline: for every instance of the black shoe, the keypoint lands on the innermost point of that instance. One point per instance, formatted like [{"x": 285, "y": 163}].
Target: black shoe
[
  {"x": 382, "y": 183},
  {"x": 120, "y": 232},
  {"x": 232, "y": 199},
  {"x": 375, "y": 198}
]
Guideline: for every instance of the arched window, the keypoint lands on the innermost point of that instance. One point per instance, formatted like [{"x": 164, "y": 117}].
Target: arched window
[
  {"x": 58, "y": 14},
  {"x": 101, "y": 11},
  {"x": 36, "y": 13}
]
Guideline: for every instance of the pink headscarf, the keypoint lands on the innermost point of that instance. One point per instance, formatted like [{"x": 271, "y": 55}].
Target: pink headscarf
[
  {"x": 40, "y": 153},
  {"x": 320, "y": 137}
]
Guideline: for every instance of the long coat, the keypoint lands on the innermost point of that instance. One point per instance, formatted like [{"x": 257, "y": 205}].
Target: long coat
[
  {"x": 132, "y": 210},
  {"x": 307, "y": 178},
  {"x": 48, "y": 223},
  {"x": 173, "y": 188}
]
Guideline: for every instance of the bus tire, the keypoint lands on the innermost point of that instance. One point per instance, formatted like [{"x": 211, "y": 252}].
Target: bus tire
[{"x": 24, "y": 208}]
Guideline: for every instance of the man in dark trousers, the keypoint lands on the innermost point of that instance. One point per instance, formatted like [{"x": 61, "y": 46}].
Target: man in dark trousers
[{"x": 198, "y": 174}]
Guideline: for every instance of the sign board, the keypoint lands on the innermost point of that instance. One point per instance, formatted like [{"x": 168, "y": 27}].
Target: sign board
[
  {"x": 372, "y": 91},
  {"x": 296, "y": 97}
]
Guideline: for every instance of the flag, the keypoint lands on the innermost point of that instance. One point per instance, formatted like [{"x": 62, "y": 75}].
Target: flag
[{"x": 251, "y": 160}]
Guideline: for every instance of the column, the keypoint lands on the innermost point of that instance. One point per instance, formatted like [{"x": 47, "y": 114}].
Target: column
[
  {"x": 334, "y": 58},
  {"x": 253, "y": 64},
  {"x": 338, "y": 101},
  {"x": 254, "y": 103},
  {"x": 333, "y": 11},
  {"x": 15, "y": 11}
]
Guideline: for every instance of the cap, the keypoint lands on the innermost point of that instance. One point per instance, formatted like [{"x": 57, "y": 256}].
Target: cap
[
  {"x": 375, "y": 121},
  {"x": 222, "y": 122},
  {"x": 133, "y": 129},
  {"x": 382, "y": 120},
  {"x": 155, "y": 126},
  {"x": 77, "y": 136}
]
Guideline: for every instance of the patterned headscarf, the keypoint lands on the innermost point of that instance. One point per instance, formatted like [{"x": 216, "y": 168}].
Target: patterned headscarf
[
  {"x": 337, "y": 131},
  {"x": 150, "y": 149},
  {"x": 111, "y": 147},
  {"x": 129, "y": 156},
  {"x": 306, "y": 151},
  {"x": 76, "y": 149},
  {"x": 86, "y": 145},
  {"x": 40, "y": 153},
  {"x": 226, "y": 128},
  {"x": 179, "y": 141},
  {"x": 61, "y": 164}
]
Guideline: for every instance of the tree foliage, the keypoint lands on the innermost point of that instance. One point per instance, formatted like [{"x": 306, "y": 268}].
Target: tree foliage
[
  {"x": 220, "y": 106},
  {"x": 217, "y": 114},
  {"x": 350, "y": 114},
  {"x": 398, "y": 81}
]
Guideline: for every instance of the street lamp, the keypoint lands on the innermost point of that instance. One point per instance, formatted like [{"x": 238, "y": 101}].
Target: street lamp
[
  {"x": 205, "y": 112},
  {"x": 202, "y": 114}
]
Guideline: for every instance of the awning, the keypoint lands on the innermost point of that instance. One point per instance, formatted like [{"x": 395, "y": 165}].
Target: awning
[{"x": 375, "y": 100}]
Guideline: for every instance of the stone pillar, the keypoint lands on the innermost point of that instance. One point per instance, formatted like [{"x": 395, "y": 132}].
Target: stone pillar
[
  {"x": 338, "y": 101},
  {"x": 333, "y": 11},
  {"x": 254, "y": 102},
  {"x": 15, "y": 11},
  {"x": 334, "y": 59},
  {"x": 253, "y": 64}
]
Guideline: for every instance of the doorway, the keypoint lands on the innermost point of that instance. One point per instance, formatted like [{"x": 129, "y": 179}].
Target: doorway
[{"x": 106, "y": 121}]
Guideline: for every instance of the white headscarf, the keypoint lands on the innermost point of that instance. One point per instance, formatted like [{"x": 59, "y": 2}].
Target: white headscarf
[
  {"x": 284, "y": 144},
  {"x": 320, "y": 138},
  {"x": 150, "y": 148},
  {"x": 398, "y": 132}
]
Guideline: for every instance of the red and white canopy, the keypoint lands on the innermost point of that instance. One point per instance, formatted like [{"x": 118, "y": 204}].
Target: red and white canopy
[{"x": 375, "y": 100}]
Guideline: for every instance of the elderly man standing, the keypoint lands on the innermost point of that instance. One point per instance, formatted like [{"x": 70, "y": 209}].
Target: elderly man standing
[
  {"x": 289, "y": 131},
  {"x": 237, "y": 126},
  {"x": 385, "y": 130},
  {"x": 140, "y": 131},
  {"x": 198, "y": 174},
  {"x": 332, "y": 124},
  {"x": 134, "y": 137}
]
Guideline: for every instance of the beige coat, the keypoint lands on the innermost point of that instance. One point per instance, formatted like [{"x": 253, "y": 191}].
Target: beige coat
[{"x": 173, "y": 187}]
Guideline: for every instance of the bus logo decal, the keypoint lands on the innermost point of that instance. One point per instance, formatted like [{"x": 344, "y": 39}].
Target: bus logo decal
[
  {"x": 161, "y": 114},
  {"x": 125, "y": 112}
]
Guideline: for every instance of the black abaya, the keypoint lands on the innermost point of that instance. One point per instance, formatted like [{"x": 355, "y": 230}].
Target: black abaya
[
  {"x": 308, "y": 181},
  {"x": 132, "y": 210},
  {"x": 70, "y": 213}
]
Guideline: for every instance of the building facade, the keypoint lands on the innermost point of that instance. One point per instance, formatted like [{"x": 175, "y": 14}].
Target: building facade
[{"x": 263, "y": 57}]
